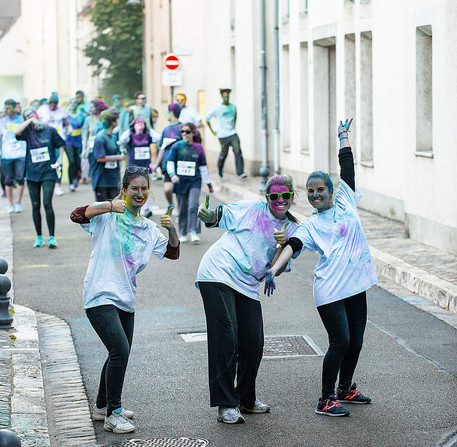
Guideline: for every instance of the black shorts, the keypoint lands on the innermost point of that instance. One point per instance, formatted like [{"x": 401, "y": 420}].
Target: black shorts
[{"x": 166, "y": 177}]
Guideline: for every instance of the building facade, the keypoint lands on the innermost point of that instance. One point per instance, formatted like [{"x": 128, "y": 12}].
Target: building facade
[{"x": 388, "y": 64}]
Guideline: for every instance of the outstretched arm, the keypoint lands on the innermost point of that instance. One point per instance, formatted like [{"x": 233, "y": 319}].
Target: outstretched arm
[{"x": 345, "y": 156}]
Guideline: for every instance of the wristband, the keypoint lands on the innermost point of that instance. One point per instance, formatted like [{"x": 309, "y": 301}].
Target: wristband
[{"x": 111, "y": 203}]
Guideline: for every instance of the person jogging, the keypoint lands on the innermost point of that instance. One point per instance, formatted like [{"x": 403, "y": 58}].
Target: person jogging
[
  {"x": 343, "y": 274},
  {"x": 122, "y": 244}
]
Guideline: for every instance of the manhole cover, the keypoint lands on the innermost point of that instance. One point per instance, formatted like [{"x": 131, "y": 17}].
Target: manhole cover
[
  {"x": 162, "y": 442},
  {"x": 275, "y": 346},
  {"x": 290, "y": 346}
]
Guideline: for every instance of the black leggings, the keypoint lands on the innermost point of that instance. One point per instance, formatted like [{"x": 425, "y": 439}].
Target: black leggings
[
  {"x": 345, "y": 322},
  {"x": 103, "y": 194},
  {"x": 35, "y": 198},
  {"x": 115, "y": 329},
  {"x": 235, "y": 344},
  {"x": 74, "y": 163}
]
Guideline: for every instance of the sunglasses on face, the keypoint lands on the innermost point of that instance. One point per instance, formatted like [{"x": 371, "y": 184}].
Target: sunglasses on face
[
  {"x": 142, "y": 97},
  {"x": 134, "y": 169},
  {"x": 274, "y": 196},
  {"x": 188, "y": 132}
]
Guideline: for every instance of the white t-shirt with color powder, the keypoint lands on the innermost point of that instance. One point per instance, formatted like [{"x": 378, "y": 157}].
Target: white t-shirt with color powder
[
  {"x": 345, "y": 267},
  {"x": 121, "y": 247},
  {"x": 241, "y": 257}
]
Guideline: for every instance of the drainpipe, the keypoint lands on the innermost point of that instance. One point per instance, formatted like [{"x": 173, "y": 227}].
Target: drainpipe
[
  {"x": 276, "y": 146},
  {"x": 170, "y": 22},
  {"x": 263, "y": 171}
]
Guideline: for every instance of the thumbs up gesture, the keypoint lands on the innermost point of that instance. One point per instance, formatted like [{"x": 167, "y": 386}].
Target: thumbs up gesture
[
  {"x": 204, "y": 214},
  {"x": 165, "y": 220},
  {"x": 118, "y": 203},
  {"x": 280, "y": 235}
]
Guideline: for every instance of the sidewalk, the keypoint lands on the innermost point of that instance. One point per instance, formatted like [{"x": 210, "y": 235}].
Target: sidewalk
[{"x": 430, "y": 273}]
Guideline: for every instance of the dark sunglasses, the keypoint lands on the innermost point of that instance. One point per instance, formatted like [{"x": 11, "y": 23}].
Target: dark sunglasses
[
  {"x": 188, "y": 132},
  {"x": 274, "y": 196},
  {"x": 134, "y": 169},
  {"x": 141, "y": 97}
]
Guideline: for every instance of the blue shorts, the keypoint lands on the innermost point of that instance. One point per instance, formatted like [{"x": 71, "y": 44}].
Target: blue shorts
[{"x": 14, "y": 170}]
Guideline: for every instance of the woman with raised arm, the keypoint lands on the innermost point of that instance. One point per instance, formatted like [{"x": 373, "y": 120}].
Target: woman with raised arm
[
  {"x": 122, "y": 243},
  {"x": 228, "y": 279},
  {"x": 343, "y": 273}
]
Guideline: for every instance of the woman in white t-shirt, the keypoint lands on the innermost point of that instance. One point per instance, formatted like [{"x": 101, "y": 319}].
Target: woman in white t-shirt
[
  {"x": 228, "y": 279},
  {"x": 122, "y": 243},
  {"x": 343, "y": 273}
]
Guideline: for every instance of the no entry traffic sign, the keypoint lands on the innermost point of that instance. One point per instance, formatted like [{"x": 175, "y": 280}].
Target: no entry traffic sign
[{"x": 171, "y": 62}]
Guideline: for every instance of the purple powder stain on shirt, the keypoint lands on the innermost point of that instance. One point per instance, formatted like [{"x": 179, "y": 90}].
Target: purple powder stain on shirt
[{"x": 342, "y": 229}]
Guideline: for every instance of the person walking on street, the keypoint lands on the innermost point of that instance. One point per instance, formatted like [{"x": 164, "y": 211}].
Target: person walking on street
[
  {"x": 186, "y": 167},
  {"x": 73, "y": 143},
  {"x": 83, "y": 106},
  {"x": 228, "y": 279},
  {"x": 92, "y": 125},
  {"x": 122, "y": 244},
  {"x": 123, "y": 124},
  {"x": 170, "y": 135},
  {"x": 105, "y": 167},
  {"x": 13, "y": 156},
  {"x": 53, "y": 115},
  {"x": 343, "y": 274},
  {"x": 139, "y": 144},
  {"x": 188, "y": 114},
  {"x": 142, "y": 110},
  {"x": 225, "y": 114},
  {"x": 43, "y": 143}
]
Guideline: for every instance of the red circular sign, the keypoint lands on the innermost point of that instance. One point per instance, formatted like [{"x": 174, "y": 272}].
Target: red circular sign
[{"x": 171, "y": 62}]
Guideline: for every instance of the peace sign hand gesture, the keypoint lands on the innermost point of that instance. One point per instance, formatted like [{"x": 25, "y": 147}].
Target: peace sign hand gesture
[{"x": 343, "y": 129}]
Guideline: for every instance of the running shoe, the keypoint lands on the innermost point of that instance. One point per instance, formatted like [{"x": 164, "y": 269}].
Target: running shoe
[
  {"x": 52, "y": 243},
  {"x": 229, "y": 415},
  {"x": 99, "y": 414},
  {"x": 58, "y": 190},
  {"x": 72, "y": 188},
  {"x": 38, "y": 242},
  {"x": 243, "y": 175},
  {"x": 18, "y": 207},
  {"x": 183, "y": 238},
  {"x": 194, "y": 238},
  {"x": 118, "y": 423},
  {"x": 10, "y": 208},
  {"x": 258, "y": 408},
  {"x": 220, "y": 172},
  {"x": 331, "y": 407},
  {"x": 352, "y": 395}
]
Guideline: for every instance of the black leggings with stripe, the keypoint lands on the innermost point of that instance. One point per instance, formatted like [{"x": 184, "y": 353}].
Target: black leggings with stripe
[{"x": 35, "y": 197}]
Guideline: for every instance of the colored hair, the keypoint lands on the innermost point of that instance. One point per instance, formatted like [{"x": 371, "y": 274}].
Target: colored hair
[
  {"x": 175, "y": 109},
  {"x": 196, "y": 137},
  {"x": 324, "y": 177},
  {"x": 100, "y": 106},
  {"x": 182, "y": 94},
  {"x": 132, "y": 125},
  {"x": 129, "y": 176},
  {"x": 28, "y": 112},
  {"x": 79, "y": 92},
  {"x": 108, "y": 117},
  {"x": 282, "y": 180},
  {"x": 10, "y": 102}
]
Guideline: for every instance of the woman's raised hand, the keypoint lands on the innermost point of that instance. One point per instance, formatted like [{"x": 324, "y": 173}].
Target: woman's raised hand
[
  {"x": 204, "y": 214},
  {"x": 343, "y": 128},
  {"x": 281, "y": 236},
  {"x": 118, "y": 203}
]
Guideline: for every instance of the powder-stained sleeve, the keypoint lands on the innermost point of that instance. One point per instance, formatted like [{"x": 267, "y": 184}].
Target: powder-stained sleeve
[
  {"x": 172, "y": 252},
  {"x": 79, "y": 215}
]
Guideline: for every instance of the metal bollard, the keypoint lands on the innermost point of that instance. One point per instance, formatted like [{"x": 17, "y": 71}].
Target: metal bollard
[
  {"x": 9, "y": 439},
  {"x": 5, "y": 285}
]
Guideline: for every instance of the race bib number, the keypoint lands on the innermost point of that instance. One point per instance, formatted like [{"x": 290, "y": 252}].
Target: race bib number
[
  {"x": 39, "y": 155},
  {"x": 186, "y": 168},
  {"x": 111, "y": 164},
  {"x": 142, "y": 153}
]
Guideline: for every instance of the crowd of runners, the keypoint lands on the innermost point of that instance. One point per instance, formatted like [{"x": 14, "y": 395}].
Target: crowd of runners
[{"x": 119, "y": 151}]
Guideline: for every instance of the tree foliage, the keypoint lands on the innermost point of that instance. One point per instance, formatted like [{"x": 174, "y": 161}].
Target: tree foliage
[{"x": 116, "y": 50}]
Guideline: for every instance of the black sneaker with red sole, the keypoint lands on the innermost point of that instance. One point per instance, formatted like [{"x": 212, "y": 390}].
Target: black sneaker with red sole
[
  {"x": 352, "y": 395},
  {"x": 331, "y": 407}
]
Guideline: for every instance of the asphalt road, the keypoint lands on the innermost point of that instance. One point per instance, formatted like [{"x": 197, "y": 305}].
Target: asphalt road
[{"x": 408, "y": 364}]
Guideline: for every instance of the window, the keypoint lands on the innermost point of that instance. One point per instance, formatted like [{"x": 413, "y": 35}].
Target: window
[
  {"x": 366, "y": 99},
  {"x": 424, "y": 91},
  {"x": 285, "y": 98},
  {"x": 304, "y": 98},
  {"x": 350, "y": 88}
]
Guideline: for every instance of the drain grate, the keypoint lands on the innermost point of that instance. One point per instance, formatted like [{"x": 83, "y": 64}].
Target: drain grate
[
  {"x": 278, "y": 346},
  {"x": 162, "y": 442},
  {"x": 283, "y": 346}
]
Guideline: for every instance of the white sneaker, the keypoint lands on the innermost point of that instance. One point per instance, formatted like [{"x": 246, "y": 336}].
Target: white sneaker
[
  {"x": 229, "y": 415},
  {"x": 99, "y": 414},
  {"x": 194, "y": 237},
  {"x": 10, "y": 209},
  {"x": 18, "y": 207},
  {"x": 118, "y": 423},
  {"x": 183, "y": 238},
  {"x": 58, "y": 190}
]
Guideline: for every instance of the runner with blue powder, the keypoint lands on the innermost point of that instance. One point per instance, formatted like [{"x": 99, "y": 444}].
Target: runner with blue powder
[{"x": 228, "y": 279}]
